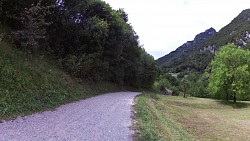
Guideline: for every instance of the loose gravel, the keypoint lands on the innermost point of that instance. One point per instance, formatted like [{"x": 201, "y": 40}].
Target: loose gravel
[{"x": 103, "y": 118}]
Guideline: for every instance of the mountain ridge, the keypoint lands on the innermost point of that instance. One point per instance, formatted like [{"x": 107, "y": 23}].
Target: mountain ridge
[
  {"x": 197, "y": 54},
  {"x": 187, "y": 47}
]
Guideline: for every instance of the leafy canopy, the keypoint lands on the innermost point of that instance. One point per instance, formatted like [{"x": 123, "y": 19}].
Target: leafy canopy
[
  {"x": 88, "y": 38},
  {"x": 230, "y": 76}
]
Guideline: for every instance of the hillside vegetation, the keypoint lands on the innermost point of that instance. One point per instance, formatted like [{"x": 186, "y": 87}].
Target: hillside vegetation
[
  {"x": 87, "y": 38},
  {"x": 54, "y": 52},
  {"x": 233, "y": 32},
  {"x": 177, "y": 118},
  {"x": 188, "y": 56},
  {"x": 31, "y": 83}
]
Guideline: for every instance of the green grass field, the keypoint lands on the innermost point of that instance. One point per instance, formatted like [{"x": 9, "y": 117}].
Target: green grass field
[{"x": 175, "y": 118}]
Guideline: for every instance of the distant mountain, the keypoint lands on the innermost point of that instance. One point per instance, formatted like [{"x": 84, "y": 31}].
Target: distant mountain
[
  {"x": 197, "y": 54},
  {"x": 238, "y": 32},
  {"x": 186, "y": 56}
]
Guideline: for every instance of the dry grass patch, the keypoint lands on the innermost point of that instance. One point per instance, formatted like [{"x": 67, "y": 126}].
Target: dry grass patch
[{"x": 198, "y": 119}]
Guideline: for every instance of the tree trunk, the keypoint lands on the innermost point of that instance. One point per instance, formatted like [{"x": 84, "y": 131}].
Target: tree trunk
[
  {"x": 234, "y": 97},
  {"x": 184, "y": 95},
  {"x": 227, "y": 97}
]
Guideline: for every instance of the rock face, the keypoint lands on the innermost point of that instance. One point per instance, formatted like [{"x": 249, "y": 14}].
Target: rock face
[
  {"x": 247, "y": 37},
  {"x": 210, "y": 48},
  {"x": 233, "y": 32},
  {"x": 241, "y": 42},
  {"x": 182, "y": 54},
  {"x": 205, "y": 35}
]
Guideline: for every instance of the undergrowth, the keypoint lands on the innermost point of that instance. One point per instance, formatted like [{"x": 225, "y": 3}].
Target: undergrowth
[{"x": 32, "y": 83}]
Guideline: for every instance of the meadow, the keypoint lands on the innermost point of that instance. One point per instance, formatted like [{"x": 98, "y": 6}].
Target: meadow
[{"x": 166, "y": 118}]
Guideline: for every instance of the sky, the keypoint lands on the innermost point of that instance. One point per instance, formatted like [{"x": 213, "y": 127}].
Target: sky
[{"x": 164, "y": 25}]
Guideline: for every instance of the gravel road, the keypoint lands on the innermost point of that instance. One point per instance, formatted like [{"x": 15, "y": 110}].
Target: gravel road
[{"x": 102, "y": 118}]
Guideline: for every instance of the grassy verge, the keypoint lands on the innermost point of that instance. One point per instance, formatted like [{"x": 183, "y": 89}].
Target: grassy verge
[
  {"x": 32, "y": 83},
  {"x": 176, "y": 118},
  {"x": 153, "y": 123}
]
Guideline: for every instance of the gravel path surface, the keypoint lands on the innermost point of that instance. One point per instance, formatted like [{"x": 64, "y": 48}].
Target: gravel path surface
[{"x": 102, "y": 118}]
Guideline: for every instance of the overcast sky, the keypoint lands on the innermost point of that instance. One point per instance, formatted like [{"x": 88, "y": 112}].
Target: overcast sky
[{"x": 164, "y": 25}]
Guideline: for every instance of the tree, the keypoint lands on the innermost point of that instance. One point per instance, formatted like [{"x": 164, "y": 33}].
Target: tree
[
  {"x": 148, "y": 73},
  {"x": 88, "y": 38},
  {"x": 123, "y": 14},
  {"x": 14, "y": 8},
  {"x": 185, "y": 85},
  {"x": 197, "y": 85},
  {"x": 198, "y": 89},
  {"x": 34, "y": 26},
  {"x": 230, "y": 73}
]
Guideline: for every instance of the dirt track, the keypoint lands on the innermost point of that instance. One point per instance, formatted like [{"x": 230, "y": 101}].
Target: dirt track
[{"x": 101, "y": 118}]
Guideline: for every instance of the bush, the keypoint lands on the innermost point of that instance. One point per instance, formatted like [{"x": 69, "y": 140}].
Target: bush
[
  {"x": 176, "y": 92},
  {"x": 198, "y": 90}
]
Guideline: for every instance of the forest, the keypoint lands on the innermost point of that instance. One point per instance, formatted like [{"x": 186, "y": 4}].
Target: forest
[{"x": 88, "y": 39}]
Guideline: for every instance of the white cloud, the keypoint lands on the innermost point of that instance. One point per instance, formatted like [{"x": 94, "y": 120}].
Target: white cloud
[{"x": 164, "y": 25}]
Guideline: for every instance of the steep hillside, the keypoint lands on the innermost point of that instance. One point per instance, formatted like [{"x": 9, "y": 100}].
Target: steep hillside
[
  {"x": 31, "y": 83},
  {"x": 235, "y": 32},
  {"x": 89, "y": 39},
  {"x": 188, "y": 56},
  {"x": 196, "y": 56},
  {"x": 53, "y": 52}
]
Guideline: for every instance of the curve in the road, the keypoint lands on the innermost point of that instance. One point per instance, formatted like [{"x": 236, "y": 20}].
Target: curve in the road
[{"x": 103, "y": 118}]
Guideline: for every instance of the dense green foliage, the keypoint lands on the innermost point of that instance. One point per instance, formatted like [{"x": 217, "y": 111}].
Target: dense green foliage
[
  {"x": 34, "y": 83},
  {"x": 54, "y": 52},
  {"x": 186, "y": 84},
  {"x": 197, "y": 85},
  {"x": 230, "y": 73},
  {"x": 89, "y": 39},
  {"x": 166, "y": 82}
]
